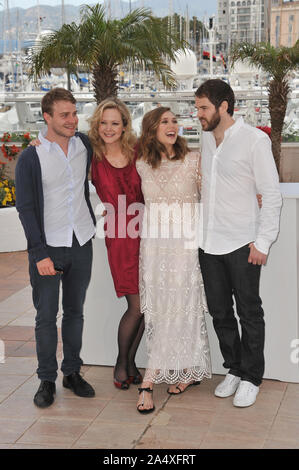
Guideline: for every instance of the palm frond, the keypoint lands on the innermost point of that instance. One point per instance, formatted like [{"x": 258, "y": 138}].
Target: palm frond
[
  {"x": 102, "y": 44},
  {"x": 277, "y": 62},
  {"x": 94, "y": 13},
  {"x": 58, "y": 49}
]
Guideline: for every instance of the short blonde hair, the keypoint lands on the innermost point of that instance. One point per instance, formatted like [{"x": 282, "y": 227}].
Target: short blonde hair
[{"x": 128, "y": 139}]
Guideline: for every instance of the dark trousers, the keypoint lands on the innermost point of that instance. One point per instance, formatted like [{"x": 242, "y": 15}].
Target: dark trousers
[
  {"x": 231, "y": 276},
  {"x": 75, "y": 262}
]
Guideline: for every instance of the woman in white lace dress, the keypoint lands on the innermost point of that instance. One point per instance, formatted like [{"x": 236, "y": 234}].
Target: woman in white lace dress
[{"x": 170, "y": 282}]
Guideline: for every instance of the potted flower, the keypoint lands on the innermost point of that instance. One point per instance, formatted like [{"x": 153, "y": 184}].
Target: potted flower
[
  {"x": 12, "y": 236},
  {"x": 265, "y": 129},
  {"x": 12, "y": 145},
  {"x": 7, "y": 193}
]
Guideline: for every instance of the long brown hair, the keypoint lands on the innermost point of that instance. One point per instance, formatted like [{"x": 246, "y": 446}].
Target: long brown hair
[
  {"x": 149, "y": 148},
  {"x": 128, "y": 139}
]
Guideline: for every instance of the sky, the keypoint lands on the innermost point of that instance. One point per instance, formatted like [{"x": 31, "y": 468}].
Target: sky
[{"x": 30, "y": 3}]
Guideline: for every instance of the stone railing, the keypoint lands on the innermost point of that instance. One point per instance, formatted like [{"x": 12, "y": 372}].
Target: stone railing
[{"x": 289, "y": 165}]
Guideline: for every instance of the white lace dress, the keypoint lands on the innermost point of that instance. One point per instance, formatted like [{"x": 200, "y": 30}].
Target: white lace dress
[{"x": 170, "y": 281}]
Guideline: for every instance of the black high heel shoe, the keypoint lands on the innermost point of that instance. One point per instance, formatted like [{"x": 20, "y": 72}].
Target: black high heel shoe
[
  {"x": 182, "y": 391},
  {"x": 149, "y": 410}
]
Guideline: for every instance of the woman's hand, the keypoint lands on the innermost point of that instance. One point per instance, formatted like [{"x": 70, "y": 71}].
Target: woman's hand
[
  {"x": 35, "y": 142},
  {"x": 259, "y": 200},
  {"x": 198, "y": 172}
]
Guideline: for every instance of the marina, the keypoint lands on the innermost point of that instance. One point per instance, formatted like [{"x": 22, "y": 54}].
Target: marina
[
  {"x": 195, "y": 420},
  {"x": 205, "y": 58}
]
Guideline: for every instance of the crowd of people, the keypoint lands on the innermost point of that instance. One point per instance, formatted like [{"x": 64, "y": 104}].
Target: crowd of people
[{"x": 172, "y": 267}]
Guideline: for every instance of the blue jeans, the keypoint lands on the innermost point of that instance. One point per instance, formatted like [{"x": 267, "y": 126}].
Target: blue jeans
[
  {"x": 75, "y": 262},
  {"x": 227, "y": 276}
]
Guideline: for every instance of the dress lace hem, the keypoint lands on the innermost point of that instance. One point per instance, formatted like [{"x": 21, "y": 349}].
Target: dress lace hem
[{"x": 177, "y": 376}]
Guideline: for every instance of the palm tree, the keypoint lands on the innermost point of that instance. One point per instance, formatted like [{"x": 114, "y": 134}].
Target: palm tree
[
  {"x": 58, "y": 49},
  {"x": 102, "y": 45},
  {"x": 277, "y": 63}
]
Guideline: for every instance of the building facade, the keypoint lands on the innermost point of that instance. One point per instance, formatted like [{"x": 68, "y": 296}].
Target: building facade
[
  {"x": 284, "y": 23},
  {"x": 243, "y": 21}
]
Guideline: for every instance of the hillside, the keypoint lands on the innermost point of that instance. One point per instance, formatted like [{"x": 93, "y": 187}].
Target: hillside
[{"x": 25, "y": 21}]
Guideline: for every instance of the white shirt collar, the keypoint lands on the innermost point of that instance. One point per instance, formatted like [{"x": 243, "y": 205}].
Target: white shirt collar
[
  {"x": 239, "y": 122},
  {"x": 42, "y": 137}
]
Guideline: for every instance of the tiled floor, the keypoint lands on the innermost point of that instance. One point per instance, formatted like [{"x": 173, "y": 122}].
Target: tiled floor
[{"x": 193, "y": 420}]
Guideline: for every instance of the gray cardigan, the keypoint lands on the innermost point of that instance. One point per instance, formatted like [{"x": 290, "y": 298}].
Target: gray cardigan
[{"x": 30, "y": 199}]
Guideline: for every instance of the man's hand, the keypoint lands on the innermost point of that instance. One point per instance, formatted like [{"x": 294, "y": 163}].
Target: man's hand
[
  {"x": 256, "y": 256},
  {"x": 45, "y": 267}
]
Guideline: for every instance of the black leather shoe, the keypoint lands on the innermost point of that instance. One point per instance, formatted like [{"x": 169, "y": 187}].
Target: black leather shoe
[
  {"x": 78, "y": 385},
  {"x": 44, "y": 397}
]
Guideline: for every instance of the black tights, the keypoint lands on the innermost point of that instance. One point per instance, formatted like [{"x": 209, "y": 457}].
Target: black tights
[{"x": 130, "y": 332}]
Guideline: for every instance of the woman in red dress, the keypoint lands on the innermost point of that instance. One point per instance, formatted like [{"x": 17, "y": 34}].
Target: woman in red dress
[{"x": 118, "y": 185}]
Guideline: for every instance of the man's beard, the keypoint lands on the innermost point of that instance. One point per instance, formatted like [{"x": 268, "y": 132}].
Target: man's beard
[{"x": 213, "y": 123}]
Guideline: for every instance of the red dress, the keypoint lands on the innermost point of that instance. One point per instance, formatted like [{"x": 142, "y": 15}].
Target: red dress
[{"x": 123, "y": 250}]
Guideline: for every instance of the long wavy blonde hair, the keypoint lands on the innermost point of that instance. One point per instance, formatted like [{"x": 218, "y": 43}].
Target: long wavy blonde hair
[
  {"x": 149, "y": 148},
  {"x": 128, "y": 139}
]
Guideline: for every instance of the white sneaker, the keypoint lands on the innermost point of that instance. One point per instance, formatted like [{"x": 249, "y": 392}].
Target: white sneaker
[
  {"x": 228, "y": 386},
  {"x": 246, "y": 394}
]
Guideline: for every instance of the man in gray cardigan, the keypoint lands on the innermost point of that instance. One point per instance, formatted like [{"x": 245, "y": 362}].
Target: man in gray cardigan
[{"x": 52, "y": 198}]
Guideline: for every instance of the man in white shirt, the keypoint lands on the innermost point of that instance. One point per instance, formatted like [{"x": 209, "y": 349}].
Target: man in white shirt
[
  {"x": 54, "y": 207},
  {"x": 237, "y": 163}
]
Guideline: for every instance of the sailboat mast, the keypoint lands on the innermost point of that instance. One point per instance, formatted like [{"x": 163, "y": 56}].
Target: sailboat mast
[
  {"x": 8, "y": 26},
  {"x": 109, "y": 9},
  {"x": 211, "y": 42},
  {"x": 62, "y": 13},
  {"x": 38, "y": 17},
  {"x": 187, "y": 24},
  {"x": 3, "y": 30},
  {"x": 170, "y": 15}
]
